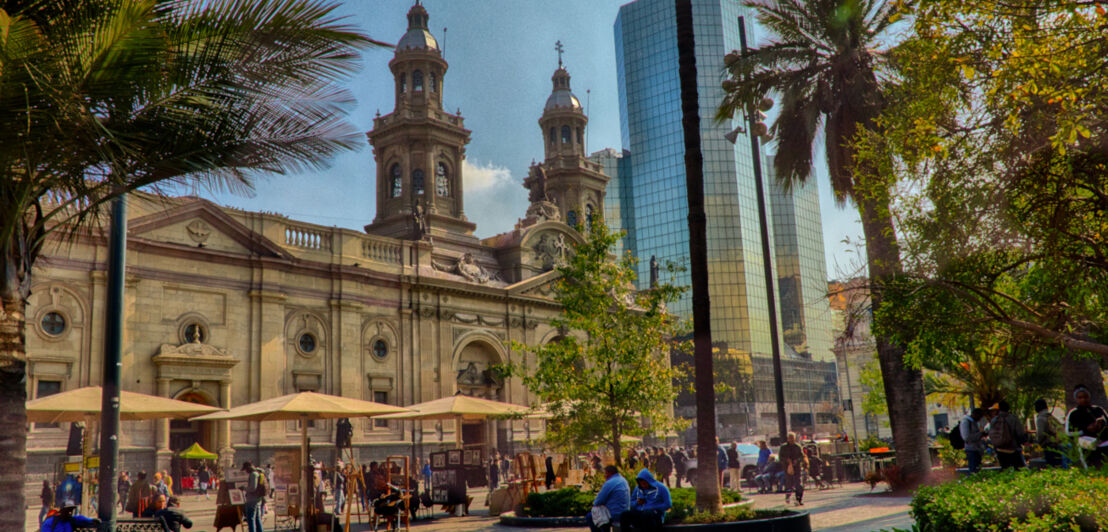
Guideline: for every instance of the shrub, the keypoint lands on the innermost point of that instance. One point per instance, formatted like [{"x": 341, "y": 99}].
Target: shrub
[
  {"x": 558, "y": 503},
  {"x": 1022, "y": 501},
  {"x": 684, "y": 502}
]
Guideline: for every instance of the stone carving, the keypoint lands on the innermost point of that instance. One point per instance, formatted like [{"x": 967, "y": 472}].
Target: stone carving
[
  {"x": 551, "y": 250},
  {"x": 537, "y": 185},
  {"x": 467, "y": 268},
  {"x": 193, "y": 349},
  {"x": 422, "y": 230},
  {"x": 198, "y": 231},
  {"x": 653, "y": 271}
]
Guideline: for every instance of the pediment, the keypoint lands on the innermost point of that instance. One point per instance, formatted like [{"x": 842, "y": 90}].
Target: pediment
[
  {"x": 541, "y": 285},
  {"x": 203, "y": 224}
]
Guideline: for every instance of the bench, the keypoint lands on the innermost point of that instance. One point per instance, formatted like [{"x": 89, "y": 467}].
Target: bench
[{"x": 132, "y": 525}]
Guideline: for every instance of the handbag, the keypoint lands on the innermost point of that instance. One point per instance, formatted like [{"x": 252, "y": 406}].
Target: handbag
[{"x": 601, "y": 516}]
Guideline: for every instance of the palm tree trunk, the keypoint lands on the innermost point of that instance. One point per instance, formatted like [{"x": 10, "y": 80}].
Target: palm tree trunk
[
  {"x": 707, "y": 480},
  {"x": 13, "y": 414},
  {"x": 904, "y": 393},
  {"x": 1077, "y": 369}
]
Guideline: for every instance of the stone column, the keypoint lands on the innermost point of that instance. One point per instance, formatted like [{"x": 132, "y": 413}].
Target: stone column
[
  {"x": 163, "y": 454},
  {"x": 223, "y": 429}
]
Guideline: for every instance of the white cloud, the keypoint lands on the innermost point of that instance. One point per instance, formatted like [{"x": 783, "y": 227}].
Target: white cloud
[
  {"x": 481, "y": 177},
  {"x": 494, "y": 200}
]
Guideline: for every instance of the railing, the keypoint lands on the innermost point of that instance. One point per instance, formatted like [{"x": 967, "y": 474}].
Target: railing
[
  {"x": 307, "y": 238},
  {"x": 381, "y": 251}
]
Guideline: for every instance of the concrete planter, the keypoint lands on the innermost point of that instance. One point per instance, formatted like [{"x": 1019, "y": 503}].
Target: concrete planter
[
  {"x": 796, "y": 522},
  {"x": 511, "y": 519}
]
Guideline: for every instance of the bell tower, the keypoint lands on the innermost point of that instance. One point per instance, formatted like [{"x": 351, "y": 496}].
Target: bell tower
[
  {"x": 567, "y": 178},
  {"x": 419, "y": 147}
]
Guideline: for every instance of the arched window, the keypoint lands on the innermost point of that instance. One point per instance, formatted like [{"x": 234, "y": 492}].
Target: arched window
[
  {"x": 442, "y": 181},
  {"x": 588, "y": 216},
  {"x": 433, "y": 82},
  {"x": 417, "y": 81},
  {"x": 580, "y": 136},
  {"x": 403, "y": 83},
  {"x": 417, "y": 181},
  {"x": 397, "y": 181},
  {"x": 565, "y": 135},
  {"x": 571, "y": 218},
  {"x": 553, "y": 135}
]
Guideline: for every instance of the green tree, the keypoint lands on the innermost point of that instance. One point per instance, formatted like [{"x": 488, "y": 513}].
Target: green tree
[
  {"x": 608, "y": 375},
  {"x": 824, "y": 64},
  {"x": 996, "y": 123},
  {"x": 102, "y": 97}
]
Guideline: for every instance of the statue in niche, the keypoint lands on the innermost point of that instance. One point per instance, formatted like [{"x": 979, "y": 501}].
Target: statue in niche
[
  {"x": 537, "y": 186},
  {"x": 653, "y": 271},
  {"x": 420, "y": 219}
]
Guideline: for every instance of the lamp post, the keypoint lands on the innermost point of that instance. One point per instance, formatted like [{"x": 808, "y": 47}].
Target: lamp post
[
  {"x": 113, "y": 352},
  {"x": 757, "y": 129}
]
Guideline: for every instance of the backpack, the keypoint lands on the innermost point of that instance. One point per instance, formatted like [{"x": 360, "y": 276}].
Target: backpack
[
  {"x": 955, "y": 437},
  {"x": 262, "y": 486}
]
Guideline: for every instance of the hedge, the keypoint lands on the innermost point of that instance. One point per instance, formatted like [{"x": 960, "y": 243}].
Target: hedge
[{"x": 1019, "y": 501}]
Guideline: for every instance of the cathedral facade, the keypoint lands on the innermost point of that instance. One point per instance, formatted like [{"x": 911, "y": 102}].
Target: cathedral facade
[{"x": 227, "y": 307}]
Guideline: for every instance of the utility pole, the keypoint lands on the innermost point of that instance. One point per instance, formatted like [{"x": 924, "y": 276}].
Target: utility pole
[{"x": 113, "y": 355}]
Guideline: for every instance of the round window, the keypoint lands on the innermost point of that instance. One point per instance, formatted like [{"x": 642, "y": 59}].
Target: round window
[
  {"x": 380, "y": 349},
  {"x": 195, "y": 334},
  {"x": 53, "y": 323},
  {"x": 307, "y": 343}
]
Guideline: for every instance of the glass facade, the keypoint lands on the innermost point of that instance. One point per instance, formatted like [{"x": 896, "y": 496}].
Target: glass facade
[
  {"x": 650, "y": 203},
  {"x": 619, "y": 212},
  {"x": 650, "y": 106},
  {"x": 801, "y": 269}
]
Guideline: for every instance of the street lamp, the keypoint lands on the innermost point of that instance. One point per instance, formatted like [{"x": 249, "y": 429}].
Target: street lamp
[{"x": 756, "y": 126}]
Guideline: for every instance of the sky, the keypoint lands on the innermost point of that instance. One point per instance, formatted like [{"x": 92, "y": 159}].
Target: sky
[{"x": 501, "y": 56}]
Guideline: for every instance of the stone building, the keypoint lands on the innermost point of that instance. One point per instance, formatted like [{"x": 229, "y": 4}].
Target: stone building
[{"x": 227, "y": 307}]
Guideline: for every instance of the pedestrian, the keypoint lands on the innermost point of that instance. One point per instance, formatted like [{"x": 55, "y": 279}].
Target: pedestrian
[
  {"x": 613, "y": 499},
  {"x": 170, "y": 515},
  {"x": 159, "y": 485},
  {"x": 205, "y": 480},
  {"x": 721, "y": 461},
  {"x": 815, "y": 466},
  {"x": 550, "y": 477},
  {"x": 494, "y": 472},
  {"x": 734, "y": 466},
  {"x": 664, "y": 465},
  {"x": 1048, "y": 433},
  {"x": 632, "y": 459},
  {"x": 255, "y": 494},
  {"x": 122, "y": 488},
  {"x": 168, "y": 483},
  {"x": 1007, "y": 435},
  {"x": 794, "y": 461},
  {"x": 649, "y": 503},
  {"x": 1091, "y": 421},
  {"x": 47, "y": 497},
  {"x": 66, "y": 520},
  {"x": 139, "y": 496},
  {"x": 970, "y": 429},
  {"x": 338, "y": 488},
  {"x": 680, "y": 464}
]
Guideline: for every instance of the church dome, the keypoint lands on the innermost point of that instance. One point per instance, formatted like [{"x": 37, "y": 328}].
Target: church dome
[
  {"x": 561, "y": 96},
  {"x": 417, "y": 37}
]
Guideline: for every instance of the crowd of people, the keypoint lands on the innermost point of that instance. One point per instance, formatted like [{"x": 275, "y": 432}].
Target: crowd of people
[{"x": 997, "y": 429}]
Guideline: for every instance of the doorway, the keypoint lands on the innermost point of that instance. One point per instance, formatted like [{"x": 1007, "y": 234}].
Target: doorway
[{"x": 183, "y": 433}]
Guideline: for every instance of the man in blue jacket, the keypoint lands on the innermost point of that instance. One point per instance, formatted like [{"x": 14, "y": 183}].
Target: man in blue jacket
[
  {"x": 614, "y": 495},
  {"x": 66, "y": 521},
  {"x": 649, "y": 503}
]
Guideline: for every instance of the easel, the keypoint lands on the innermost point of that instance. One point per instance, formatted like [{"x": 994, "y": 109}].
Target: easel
[
  {"x": 527, "y": 471},
  {"x": 404, "y": 515},
  {"x": 353, "y": 475}
]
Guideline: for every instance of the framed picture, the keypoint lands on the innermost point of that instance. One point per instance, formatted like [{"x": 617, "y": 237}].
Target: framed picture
[
  {"x": 237, "y": 497},
  {"x": 294, "y": 492},
  {"x": 454, "y": 457},
  {"x": 472, "y": 457},
  {"x": 438, "y": 460}
]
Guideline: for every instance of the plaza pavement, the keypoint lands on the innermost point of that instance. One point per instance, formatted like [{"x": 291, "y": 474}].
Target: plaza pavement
[{"x": 849, "y": 508}]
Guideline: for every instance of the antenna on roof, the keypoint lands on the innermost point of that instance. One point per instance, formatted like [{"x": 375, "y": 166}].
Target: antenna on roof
[{"x": 588, "y": 100}]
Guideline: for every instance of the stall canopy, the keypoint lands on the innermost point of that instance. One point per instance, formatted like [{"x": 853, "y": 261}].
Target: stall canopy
[
  {"x": 304, "y": 406},
  {"x": 78, "y": 405},
  {"x": 461, "y": 407},
  {"x": 196, "y": 452}
]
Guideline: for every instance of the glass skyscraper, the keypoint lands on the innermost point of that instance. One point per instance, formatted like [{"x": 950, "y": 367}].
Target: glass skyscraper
[
  {"x": 650, "y": 111},
  {"x": 651, "y": 205}
]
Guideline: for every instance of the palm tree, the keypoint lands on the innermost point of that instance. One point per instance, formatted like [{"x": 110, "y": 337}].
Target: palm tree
[
  {"x": 824, "y": 65},
  {"x": 102, "y": 97}
]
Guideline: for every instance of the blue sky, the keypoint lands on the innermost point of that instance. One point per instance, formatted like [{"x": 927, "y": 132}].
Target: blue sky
[{"x": 501, "y": 56}]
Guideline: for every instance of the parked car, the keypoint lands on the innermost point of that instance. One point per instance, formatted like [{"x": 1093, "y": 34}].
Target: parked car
[{"x": 748, "y": 457}]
